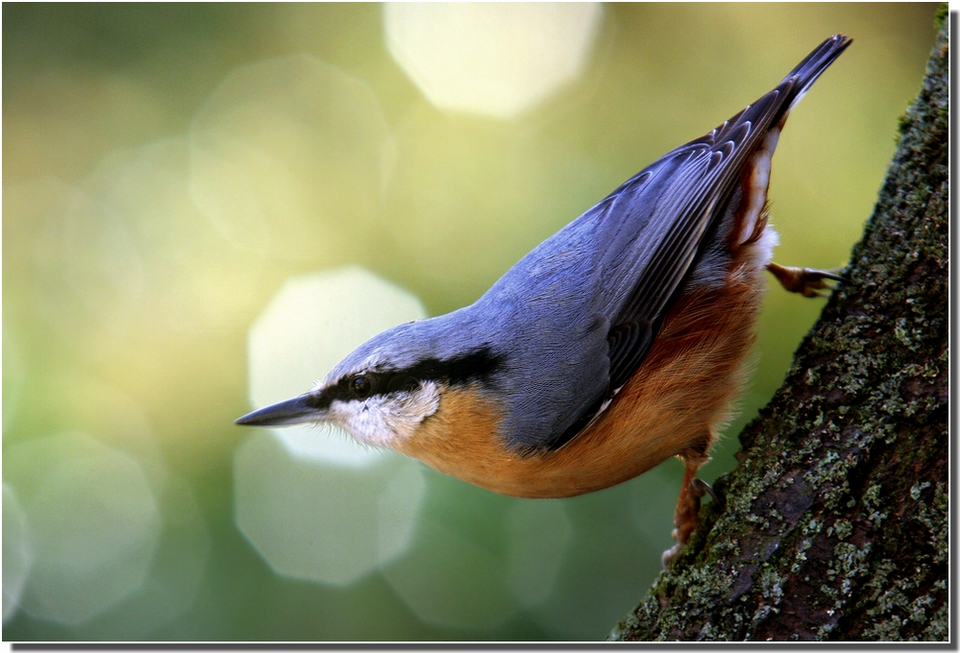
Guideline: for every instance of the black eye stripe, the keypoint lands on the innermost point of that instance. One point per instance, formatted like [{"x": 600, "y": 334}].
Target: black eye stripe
[{"x": 478, "y": 365}]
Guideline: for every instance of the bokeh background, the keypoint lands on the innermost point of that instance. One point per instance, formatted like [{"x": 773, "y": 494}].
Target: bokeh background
[{"x": 206, "y": 205}]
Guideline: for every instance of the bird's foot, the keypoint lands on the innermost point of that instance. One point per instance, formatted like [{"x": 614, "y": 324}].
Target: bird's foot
[
  {"x": 686, "y": 518},
  {"x": 806, "y": 281}
]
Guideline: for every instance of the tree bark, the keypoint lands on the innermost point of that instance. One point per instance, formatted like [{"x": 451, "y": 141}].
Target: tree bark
[{"x": 835, "y": 523}]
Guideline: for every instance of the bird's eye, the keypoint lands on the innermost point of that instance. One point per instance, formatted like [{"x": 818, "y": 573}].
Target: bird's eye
[{"x": 361, "y": 386}]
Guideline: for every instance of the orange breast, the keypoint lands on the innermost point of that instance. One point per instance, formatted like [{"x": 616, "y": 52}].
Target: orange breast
[{"x": 680, "y": 394}]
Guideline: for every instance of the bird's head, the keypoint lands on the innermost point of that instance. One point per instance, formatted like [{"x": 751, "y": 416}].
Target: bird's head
[{"x": 385, "y": 389}]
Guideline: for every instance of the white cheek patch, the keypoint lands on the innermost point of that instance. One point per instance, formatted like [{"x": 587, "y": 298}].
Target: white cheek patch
[
  {"x": 381, "y": 419},
  {"x": 757, "y": 185}
]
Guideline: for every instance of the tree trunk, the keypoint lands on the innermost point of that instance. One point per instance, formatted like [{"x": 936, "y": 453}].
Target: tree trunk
[{"x": 835, "y": 521}]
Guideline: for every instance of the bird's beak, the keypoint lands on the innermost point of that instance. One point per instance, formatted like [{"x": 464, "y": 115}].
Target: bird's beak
[{"x": 292, "y": 411}]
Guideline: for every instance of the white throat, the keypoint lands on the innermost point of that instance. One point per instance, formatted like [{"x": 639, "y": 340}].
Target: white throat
[{"x": 381, "y": 419}]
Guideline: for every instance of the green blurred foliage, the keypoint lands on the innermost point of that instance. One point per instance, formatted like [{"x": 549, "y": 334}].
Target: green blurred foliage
[{"x": 87, "y": 85}]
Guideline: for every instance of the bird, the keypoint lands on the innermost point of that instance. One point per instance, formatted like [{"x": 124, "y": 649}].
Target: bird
[{"x": 617, "y": 343}]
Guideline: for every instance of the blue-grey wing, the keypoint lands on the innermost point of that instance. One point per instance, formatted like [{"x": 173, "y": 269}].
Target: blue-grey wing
[
  {"x": 653, "y": 226},
  {"x": 698, "y": 180}
]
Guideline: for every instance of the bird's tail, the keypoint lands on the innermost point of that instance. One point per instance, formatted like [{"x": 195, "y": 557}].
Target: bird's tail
[{"x": 807, "y": 71}]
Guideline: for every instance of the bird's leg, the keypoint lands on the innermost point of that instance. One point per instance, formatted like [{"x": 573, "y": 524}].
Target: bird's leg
[
  {"x": 806, "y": 281},
  {"x": 686, "y": 517}
]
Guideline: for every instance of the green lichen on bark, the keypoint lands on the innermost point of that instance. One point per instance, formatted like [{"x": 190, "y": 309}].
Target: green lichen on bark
[{"x": 835, "y": 521}]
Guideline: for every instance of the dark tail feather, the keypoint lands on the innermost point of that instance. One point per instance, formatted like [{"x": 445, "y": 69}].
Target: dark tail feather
[{"x": 808, "y": 70}]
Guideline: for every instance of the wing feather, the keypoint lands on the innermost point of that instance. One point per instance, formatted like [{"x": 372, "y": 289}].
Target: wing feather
[
  {"x": 704, "y": 173},
  {"x": 654, "y": 223}
]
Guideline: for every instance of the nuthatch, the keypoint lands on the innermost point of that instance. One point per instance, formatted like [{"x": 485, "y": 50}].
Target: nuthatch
[{"x": 615, "y": 344}]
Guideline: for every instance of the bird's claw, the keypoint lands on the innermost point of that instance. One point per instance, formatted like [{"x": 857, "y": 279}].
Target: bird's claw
[
  {"x": 806, "y": 281},
  {"x": 700, "y": 488},
  {"x": 687, "y": 517}
]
